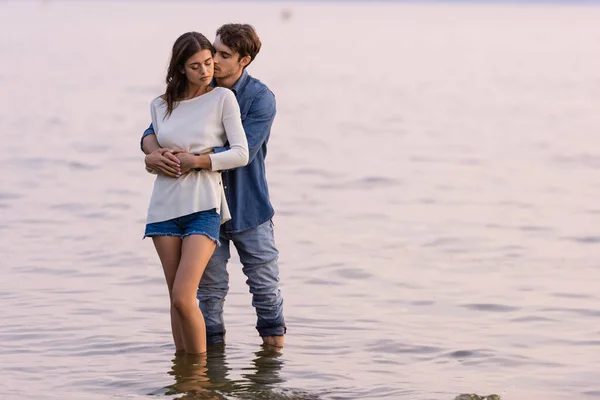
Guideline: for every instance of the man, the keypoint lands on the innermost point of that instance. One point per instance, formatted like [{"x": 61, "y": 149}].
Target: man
[{"x": 251, "y": 227}]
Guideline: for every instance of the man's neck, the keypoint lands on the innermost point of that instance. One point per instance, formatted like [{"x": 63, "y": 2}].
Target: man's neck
[{"x": 230, "y": 80}]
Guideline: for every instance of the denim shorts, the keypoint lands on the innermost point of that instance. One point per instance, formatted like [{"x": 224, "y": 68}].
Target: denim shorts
[{"x": 207, "y": 223}]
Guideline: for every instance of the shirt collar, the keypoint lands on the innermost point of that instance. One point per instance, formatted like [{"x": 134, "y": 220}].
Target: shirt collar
[{"x": 239, "y": 85}]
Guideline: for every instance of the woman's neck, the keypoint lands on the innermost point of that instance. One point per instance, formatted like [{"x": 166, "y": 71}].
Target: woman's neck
[{"x": 192, "y": 91}]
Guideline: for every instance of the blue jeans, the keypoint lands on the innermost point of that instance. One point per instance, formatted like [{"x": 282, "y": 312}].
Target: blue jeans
[{"x": 258, "y": 255}]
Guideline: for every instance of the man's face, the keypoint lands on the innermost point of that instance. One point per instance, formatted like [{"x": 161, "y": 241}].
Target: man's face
[{"x": 227, "y": 62}]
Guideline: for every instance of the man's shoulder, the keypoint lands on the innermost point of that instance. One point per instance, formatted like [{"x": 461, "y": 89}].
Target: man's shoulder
[{"x": 256, "y": 87}]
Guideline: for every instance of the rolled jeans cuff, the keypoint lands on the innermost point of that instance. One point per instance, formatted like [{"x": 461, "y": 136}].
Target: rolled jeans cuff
[{"x": 272, "y": 331}]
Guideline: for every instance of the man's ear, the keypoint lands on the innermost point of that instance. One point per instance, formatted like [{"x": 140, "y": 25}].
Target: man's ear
[{"x": 245, "y": 61}]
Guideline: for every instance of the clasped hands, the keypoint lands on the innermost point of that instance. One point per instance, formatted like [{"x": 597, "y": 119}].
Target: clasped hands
[{"x": 173, "y": 162}]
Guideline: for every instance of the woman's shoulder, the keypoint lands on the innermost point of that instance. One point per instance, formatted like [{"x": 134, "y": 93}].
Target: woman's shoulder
[
  {"x": 221, "y": 89},
  {"x": 225, "y": 96},
  {"x": 223, "y": 92},
  {"x": 158, "y": 101}
]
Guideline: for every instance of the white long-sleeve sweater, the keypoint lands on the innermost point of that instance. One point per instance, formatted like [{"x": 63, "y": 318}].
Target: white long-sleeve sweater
[{"x": 198, "y": 125}]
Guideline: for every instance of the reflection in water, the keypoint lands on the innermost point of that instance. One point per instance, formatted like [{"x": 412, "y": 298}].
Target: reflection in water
[
  {"x": 191, "y": 377},
  {"x": 266, "y": 367},
  {"x": 206, "y": 377}
]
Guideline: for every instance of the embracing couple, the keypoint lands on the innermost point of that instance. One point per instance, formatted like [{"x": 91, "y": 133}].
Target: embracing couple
[{"x": 207, "y": 144}]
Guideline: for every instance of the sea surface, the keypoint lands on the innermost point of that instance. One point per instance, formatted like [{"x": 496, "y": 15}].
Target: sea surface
[{"x": 435, "y": 171}]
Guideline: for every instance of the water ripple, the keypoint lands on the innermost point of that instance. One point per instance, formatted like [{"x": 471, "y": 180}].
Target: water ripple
[
  {"x": 490, "y": 307},
  {"x": 584, "y": 239}
]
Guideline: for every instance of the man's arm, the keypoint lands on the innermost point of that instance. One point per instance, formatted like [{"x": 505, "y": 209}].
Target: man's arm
[
  {"x": 157, "y": 158},
  {"x": 149, "y": 142},
  {"x": 257, "y": 123}
]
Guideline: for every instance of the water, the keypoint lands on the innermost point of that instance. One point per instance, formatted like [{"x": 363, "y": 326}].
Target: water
[{"x": 435, "y": 171}]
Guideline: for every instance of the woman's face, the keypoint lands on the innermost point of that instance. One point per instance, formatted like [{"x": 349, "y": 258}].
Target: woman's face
[{"x": 199, "y": 68}]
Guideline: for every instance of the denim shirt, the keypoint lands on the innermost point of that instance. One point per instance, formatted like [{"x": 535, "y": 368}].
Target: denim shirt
[{"x": 246, "y": 187}]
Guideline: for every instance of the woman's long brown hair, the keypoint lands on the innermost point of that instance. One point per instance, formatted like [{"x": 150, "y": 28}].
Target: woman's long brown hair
[{"x": 184, "y": 47}]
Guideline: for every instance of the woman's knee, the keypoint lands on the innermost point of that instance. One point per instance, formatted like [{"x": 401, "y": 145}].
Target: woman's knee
[{"x": 183, "y": 303}]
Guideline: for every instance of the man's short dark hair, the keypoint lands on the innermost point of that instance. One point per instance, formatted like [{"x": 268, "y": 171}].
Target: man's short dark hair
[{"x": 241, "y": 38}]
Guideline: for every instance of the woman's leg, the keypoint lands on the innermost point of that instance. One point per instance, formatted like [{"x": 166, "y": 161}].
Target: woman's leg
[
  {"x": 169, "y": 252},
  {"x": 196, "y": 250}
]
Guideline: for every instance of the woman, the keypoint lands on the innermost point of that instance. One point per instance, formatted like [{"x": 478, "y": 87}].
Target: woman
[{"x": 185, "y": 213}]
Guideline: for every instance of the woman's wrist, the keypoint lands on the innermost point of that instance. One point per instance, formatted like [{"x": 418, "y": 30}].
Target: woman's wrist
[{"x": 202, "y": 161}]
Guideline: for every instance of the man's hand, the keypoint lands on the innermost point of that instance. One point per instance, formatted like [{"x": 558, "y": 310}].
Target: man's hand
[{"x": 163, "y": 161}]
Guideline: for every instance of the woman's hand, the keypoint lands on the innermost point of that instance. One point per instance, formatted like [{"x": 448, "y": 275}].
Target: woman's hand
[
  {"x": 187, "y": 161},
  {"x": 163, "y": 161},
  {"x": 190, "y": 162}
]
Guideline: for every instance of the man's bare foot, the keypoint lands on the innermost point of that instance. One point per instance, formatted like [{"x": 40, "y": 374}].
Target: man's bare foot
[{"x": 273, "y": 341}]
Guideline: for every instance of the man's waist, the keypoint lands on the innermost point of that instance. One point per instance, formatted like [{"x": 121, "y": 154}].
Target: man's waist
[{"x": 246, "y": 222}]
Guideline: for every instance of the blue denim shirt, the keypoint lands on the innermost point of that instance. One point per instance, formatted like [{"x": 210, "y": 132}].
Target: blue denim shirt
[{"x": 246, "y": 187}]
